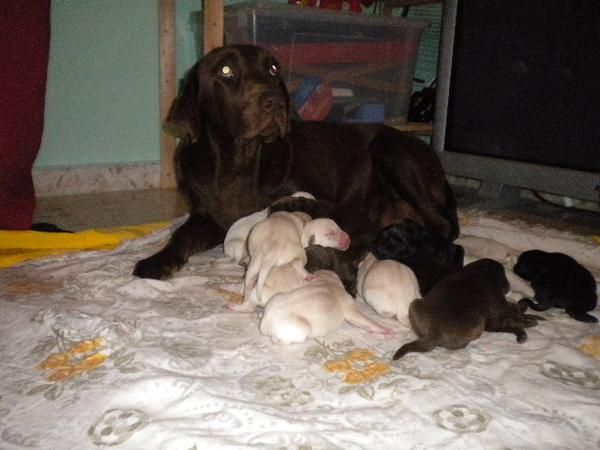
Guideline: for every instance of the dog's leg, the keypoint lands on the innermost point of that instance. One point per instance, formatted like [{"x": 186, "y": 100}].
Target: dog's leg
[
  {"x": 525, "y": 303},
  {"x": 420, "y": 345},
  {"x": 358, "y": 319},
  {"x": 507, "y": 325},
  {"x": 197, "y": 234},
  {"x": 530, "y": 320},
  {"x": 581, "y": 316}
]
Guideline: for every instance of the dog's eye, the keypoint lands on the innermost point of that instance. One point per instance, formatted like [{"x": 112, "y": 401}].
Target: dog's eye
[
  {"x": 273, "y": 70},
  {"x": 226, "y": 72}
]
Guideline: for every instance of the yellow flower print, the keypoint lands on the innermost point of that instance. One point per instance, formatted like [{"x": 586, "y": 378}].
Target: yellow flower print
[
  {"x": 355, "y": 377},
  {"x": 591, "y": 347},
  {"x": 464, "y": 221},
  {"x": 80, "y": 358},
  {"x": 338, "y": 366},
  {"x": 359, "y": 366},
  {"x": 359, "y": 355}
]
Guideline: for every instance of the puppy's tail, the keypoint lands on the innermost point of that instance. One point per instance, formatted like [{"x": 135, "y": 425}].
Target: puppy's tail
[{"x": 420, "y": 345}]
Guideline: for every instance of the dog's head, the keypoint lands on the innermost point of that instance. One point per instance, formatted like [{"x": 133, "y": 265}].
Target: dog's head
[
  {"x": 489, "y": 272},
  {"x": 236, "y": 90},
  {"x": 325, "y": 232},
  {"x": 404, "y": 240},
  {"x": 531, "y": 263}
]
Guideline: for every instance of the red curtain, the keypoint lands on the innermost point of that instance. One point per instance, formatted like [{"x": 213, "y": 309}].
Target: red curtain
[{"x": 24, "y": 47}]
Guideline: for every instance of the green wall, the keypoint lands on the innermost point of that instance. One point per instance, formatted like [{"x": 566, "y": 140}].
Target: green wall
[{"x": 102, "y": 99}]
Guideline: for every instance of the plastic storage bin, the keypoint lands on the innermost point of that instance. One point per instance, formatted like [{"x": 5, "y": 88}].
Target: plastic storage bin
[{"x": 338, "y": 66}]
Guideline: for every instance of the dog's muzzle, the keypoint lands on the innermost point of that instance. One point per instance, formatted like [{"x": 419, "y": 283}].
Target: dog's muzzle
[{"x": 274, "y": 115}]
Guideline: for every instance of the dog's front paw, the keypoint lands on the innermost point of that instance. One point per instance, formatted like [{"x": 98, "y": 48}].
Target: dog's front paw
[
  {"x": 157, "y": 267},
  {"x": 521, "y": 336}
]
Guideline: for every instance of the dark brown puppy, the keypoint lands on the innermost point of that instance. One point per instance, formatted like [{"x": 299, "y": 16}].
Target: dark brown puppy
[
  {"x": 462, "y": 306},
  {"x": 239, "y": 151},
  {"x": 558, "y": 281}
]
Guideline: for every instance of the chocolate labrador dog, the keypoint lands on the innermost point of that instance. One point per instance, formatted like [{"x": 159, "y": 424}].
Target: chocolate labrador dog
[{"x": 239, "y": 150}]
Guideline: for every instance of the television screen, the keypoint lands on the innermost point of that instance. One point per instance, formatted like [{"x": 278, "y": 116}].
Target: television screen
[{"x": 519, "y": 82}]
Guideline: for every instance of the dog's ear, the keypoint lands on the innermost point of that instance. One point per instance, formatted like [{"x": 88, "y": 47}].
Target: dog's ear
[{"x": 185, "y": 117}]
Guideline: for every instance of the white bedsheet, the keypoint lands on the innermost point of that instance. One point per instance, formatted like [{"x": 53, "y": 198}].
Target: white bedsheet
[{"x": 146, "y": 364}]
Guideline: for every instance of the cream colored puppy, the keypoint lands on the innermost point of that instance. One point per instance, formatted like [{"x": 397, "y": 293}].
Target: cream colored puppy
[
  {"x": 234, "y": 244},
  {"x": 282, "y": 278},
  {"x": 387, "y": 286},
  {"x": 315, "y": 309},
  {"x": 276, "y": 250}
]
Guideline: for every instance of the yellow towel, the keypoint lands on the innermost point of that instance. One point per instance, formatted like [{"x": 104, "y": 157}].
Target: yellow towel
[{"x": 19, "y": 246}]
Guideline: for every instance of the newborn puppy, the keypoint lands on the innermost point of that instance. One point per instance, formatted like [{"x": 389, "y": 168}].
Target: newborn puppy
[
  {"x": 357, "y": 224},
  {"x": 326, "y": 233},
  {"x": 462, "y": 306},
  {"x": 428, "y": 254},
  {"x": 279, "y": 240},
  {"x": 314, "y": 310},
  {"x": 558, "y": 281},
  {"x": 326, "y": 258},
  {"x": 387, "y": 286},
  {"x": 282, "y": 278},
  {"x": 234, "y": 244}
]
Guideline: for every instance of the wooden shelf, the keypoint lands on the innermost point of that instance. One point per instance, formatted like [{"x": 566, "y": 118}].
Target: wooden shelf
[{"x": 420, "y": 128}]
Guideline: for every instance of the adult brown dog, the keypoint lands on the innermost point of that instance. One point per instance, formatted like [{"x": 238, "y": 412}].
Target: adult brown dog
[{"x": 240, "y": 151}]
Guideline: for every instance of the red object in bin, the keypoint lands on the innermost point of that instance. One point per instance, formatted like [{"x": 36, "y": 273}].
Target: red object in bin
[
  {"x": 342, "y": 52},
  {"x": 318, "y": 105}
]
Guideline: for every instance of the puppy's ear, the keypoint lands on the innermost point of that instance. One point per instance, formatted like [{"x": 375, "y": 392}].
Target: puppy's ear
[{"x": 185, "y": 117}]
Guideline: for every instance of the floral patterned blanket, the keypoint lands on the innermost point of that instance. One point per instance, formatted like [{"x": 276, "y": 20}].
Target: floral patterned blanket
[{"x": 93, "y": 357}]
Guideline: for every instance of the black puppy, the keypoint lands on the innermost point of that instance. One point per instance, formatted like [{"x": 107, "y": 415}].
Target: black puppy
[
  {"x": 430, "y": 255},
  {"x": 462, "y": 306},
  {"x": 558, "y": 281}
]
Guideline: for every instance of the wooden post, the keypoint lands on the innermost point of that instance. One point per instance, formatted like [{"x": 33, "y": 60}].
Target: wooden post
[
  {"x": 168, "y": 87},
  {"x": 213, "y": 24}
]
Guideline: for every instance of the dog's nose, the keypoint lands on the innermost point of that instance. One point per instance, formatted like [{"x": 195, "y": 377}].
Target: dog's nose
[{"x": 273, "y": 103}]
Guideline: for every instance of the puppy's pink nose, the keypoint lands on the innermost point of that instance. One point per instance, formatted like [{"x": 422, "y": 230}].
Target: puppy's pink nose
[{"x": 344, "y": 241}]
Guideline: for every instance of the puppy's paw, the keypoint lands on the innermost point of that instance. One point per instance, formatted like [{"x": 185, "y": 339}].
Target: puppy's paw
[
  {"x": 382, "y": 332},
  {"x": 521, "y": 336},
  {"x": 524, "y": 304},
  {"x": 245, "y": 307},
  {"x": 582, "y": 316},
  {"x": 310, "y": 277}
]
